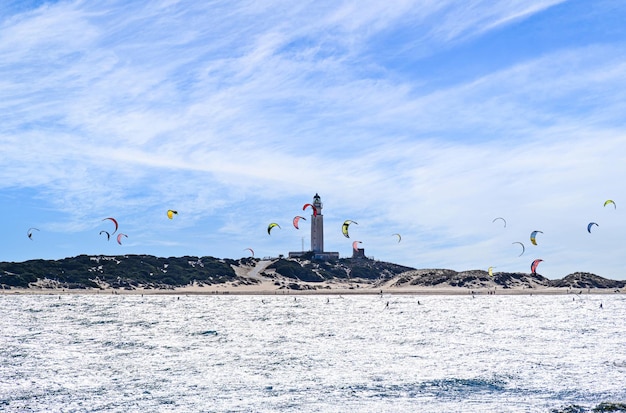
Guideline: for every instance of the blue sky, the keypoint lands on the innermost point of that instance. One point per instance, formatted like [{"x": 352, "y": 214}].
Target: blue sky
[{"x": 424, "y": 118}]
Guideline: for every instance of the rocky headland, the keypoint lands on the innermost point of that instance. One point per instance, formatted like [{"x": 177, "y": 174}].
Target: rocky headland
[{"x": 146, "y": 273}]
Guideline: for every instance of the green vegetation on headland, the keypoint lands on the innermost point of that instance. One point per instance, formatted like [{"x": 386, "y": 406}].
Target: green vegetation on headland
[
  {"x": 150, "y": 272},
  {"x": 146, "y": 271},
  {"x": 125, "y": 271}
]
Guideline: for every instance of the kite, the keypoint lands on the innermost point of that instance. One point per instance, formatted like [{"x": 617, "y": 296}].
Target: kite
[
  {"x": 108, "y": 235},
  {"x": 114, "y": 222},
  {"x": 171, "y": 213},
  {"x": 355, "y": 246},
  {"x": 503, "y": 220},
  {"x": 296, "y": 219},
  {"x": 610, "y": 201},
  {"x": 490, "y": 271},
  {"x": 270, "y": 226},
  {"x": 119, "y": 237},
  {"x": 533, "y": 235},
  {"x": 590, "y": 225},
  {"x": 523, "y": 248},
  {"x": 533, "y": 266},
  {"x": 312, "y": 207},
  {"x": 344, "y": 227},
  {"x": 399, "y": 237},
  {"x": 30, "y": 232},
  {"x": 250, "y": 249}
]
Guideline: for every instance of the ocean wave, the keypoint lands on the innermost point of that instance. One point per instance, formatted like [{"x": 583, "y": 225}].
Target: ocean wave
[
  {"x": 599, "y": 408},
  {"x": 442, "y": 388},
  {"x": 207, "y": 333}
]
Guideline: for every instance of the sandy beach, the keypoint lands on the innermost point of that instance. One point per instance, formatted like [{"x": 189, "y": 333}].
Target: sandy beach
[{"x": 269, "y": 287}]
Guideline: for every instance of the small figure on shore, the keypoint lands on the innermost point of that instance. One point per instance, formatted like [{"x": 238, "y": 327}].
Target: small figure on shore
[{"x": 600, "y": 305}]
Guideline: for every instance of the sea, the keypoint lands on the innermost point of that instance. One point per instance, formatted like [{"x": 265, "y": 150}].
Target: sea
[{"x": 312, "y": 353}]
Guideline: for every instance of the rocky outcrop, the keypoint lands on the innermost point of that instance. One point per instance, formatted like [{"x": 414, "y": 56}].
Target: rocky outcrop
[{"x": 587, "y": 280}]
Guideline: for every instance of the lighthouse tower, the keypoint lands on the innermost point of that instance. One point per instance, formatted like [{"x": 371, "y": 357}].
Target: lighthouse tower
[
  {"x": 317, "y": 226},
  {"x": 317, "y": 235}
]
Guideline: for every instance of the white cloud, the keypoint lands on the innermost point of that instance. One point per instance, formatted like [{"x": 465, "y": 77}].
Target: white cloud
[{"x": 236, "y": 114}]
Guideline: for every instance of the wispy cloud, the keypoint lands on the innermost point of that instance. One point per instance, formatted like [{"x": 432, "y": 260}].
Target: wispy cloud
[
  {"x": 473, "y": 18},
  {"x": 237, "y": 113}
]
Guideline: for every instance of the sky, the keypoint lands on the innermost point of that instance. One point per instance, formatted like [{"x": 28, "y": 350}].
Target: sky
[{"x": 425, "y": 118}]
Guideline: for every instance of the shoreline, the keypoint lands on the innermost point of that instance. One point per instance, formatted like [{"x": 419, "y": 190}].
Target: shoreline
[
  {"x": 266, "y": 290},
  {"x": 256, "y": 277}
]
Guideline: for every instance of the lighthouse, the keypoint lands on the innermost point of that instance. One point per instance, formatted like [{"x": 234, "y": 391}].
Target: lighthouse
[
  {"x": 317, "y": 234},
  {"x": 317, "y": 226}
]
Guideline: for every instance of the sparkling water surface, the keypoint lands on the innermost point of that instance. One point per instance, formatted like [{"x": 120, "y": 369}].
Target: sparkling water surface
[{"x": 285, "y": 353}]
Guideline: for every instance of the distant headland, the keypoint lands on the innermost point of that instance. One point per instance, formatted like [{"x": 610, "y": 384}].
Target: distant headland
[{"x": 303, "y": 274}]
